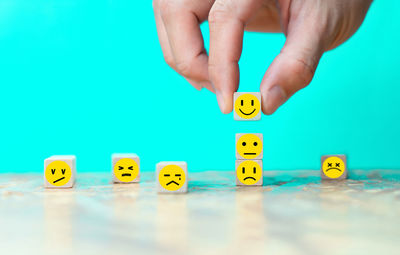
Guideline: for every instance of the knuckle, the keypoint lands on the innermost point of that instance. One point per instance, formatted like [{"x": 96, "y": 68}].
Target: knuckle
[
  {"x": 218, "y": 13},
  {"x": 184, "y": 68},
  {"x": 303, "y": 71},
  {"x": 170, "y": 61}
]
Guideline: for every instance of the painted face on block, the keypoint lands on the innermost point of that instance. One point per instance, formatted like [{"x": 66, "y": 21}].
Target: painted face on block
[
  {"x": 333, "y": 167},
  {"x": 249, "y": 146},
  {"x": 249, "y": 172},
  {"x": 247, "y": 106},
  {"x": 58, "y": 173},
  {"x": 126, "y": 170},
  {"x": 172, "y": 177}
]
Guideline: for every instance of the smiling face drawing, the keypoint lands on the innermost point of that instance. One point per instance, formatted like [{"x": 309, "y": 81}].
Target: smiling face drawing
[
  {"x": 172, "y": 177},
  {"x": 249, "y": 146},
  {"x": 58, "y": 173},
  {"x": 249, "y": 172},
  {"x": 126, "y": 170},
  {"x": 247, "y": 106},
  {"x": 333, "y": 167}
]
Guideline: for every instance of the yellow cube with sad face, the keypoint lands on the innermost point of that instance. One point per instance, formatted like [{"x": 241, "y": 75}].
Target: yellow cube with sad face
[
  {"x": 333, "y": 167},
  {"x": 172, "y": 177},
  {"x": 249, "y": 173}
]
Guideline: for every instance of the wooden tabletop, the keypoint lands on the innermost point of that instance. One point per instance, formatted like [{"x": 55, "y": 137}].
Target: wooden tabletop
[{"x": 293, "y": 213}]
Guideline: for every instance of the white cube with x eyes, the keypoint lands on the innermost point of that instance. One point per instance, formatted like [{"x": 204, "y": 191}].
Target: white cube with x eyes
[
  {"x": 247, "y": 106},
  {"x": 60, "y": 171},
  {"x": 249, "y": 173},
  {"x": 125, "y": 168},
  {"x": 172, "y": 177},
  {"x": 249, "y": 146}
]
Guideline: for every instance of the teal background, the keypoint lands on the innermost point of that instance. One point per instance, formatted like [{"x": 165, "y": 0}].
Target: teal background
[{"x": 88, "y": 78}]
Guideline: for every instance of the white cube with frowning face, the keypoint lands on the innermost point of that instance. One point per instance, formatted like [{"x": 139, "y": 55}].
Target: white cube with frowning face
[{"x": 172, "y": 177}]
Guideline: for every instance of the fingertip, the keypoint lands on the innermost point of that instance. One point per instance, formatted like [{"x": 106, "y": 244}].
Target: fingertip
[
  {"x": 272, "y": 99},
  {"x": 224, "y": 102}
]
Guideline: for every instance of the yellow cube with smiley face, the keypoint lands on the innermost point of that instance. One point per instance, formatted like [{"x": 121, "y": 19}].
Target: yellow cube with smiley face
[
  {"x": 60, "y": 171},
  {"x": 172, "y": 177},
  {"x": 247, "y": 106}
]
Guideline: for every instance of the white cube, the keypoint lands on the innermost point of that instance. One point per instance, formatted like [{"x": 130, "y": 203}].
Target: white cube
[
  {"x": 249, "y": 173},
  {"x": 249, "y": 146},
  {"x": 60, "y": 171},
  {"x": 125, "y": 168},
  {"x": 172, "y": 177},
  {"x": 247, "y": 106}
]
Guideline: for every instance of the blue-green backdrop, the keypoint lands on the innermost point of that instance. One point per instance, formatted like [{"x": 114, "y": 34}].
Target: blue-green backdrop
[{"x": 88, "y": 78}]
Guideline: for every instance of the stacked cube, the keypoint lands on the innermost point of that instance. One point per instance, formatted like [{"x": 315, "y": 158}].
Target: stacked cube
[{"x": 249, "y": 147}]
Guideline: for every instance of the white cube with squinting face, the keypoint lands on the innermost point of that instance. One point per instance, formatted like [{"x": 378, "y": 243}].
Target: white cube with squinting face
[
  {"x": 125, "y": 167},
  {"x": 60, "y": 171},
  {"x": 172, "y": 177},
  {"x": 247, "y": 106}
]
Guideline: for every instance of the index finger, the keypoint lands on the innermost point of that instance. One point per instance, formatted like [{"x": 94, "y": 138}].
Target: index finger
[{"x": 227, "y": 21}]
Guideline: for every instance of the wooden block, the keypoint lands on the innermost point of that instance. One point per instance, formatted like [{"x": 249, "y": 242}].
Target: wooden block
[
  {"x": 249, "y": 173},
  {"x": 125, "y": 168},
  {"x": 247, "y": 106},
  {"x": 249, "y": 146},
  {"x": 172, "y": 177},
  {"x": 334, "y": 167},
  {"x": 60, "y": 171}
]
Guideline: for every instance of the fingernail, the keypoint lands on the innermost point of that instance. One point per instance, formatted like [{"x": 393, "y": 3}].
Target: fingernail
[
  {"x": 221, "y": 101},
  {"x": 274, "y": 98}
]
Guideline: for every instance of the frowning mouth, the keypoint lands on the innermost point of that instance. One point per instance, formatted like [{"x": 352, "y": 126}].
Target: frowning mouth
[
  {"x": 126, "y": 174},
  {"x": 249, "y": 177},
  {"x": 62, "y": 178},
  {"x": 332, "y": 168},
  {"x": 247, "y": 113},
  {"x": 173, "y": 182}
]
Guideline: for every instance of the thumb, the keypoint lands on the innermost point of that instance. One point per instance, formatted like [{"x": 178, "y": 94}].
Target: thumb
[{"x": 292, "y": 69}]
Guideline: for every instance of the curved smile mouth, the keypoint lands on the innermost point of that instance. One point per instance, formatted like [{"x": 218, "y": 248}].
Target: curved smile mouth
[
  {"x": 247, "y": 113},
  {"x": 173, "y": 182},
  {"x": 62, "y": 178},
  {"x": 126, "y": 174},
  {"x": 249, "y": 177},
  {"x": 332, "y": 168}
]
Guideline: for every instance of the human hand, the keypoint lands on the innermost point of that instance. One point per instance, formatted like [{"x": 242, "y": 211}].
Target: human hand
[{"x": 311, "y": 28}]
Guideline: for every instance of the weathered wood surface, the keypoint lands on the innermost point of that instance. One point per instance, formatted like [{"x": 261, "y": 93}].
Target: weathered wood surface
[{"x": 293, "y": 213}]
